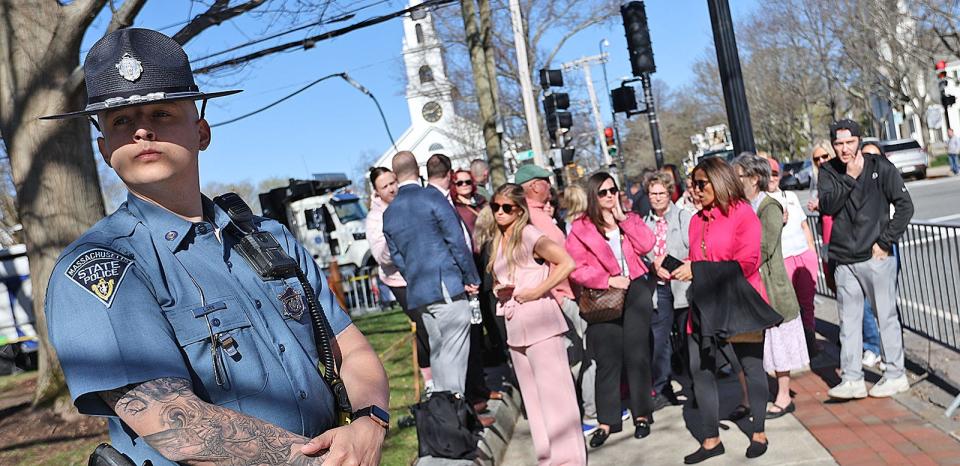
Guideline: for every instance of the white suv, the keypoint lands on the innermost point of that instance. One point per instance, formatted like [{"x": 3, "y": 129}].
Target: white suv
[{"x": 907, "y": 156}]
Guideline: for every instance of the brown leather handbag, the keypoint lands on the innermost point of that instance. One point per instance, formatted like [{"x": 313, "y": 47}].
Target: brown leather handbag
[
  {"x": 601, "y": 305},
  {"x": 597, "y": 305}
]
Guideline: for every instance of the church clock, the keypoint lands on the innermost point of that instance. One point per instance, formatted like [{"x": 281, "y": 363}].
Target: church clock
[{"x": 432, "y": 112}]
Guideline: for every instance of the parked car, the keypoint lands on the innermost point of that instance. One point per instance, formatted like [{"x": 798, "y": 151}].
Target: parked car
[
  {"x": 796, "y": 175},
  {"x": 906, "y": 155}
]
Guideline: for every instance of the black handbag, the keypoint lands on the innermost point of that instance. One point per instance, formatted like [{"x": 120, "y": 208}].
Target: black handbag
[{"x": 447, "y": 426}]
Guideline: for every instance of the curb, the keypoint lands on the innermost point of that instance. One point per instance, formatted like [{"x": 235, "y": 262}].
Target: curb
[{"x": 496, "y": 438}]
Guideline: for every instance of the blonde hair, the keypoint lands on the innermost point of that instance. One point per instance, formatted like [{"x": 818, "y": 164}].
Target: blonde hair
[
  {"x": 574, "y": 201},
  {"x": 819, "y": 144},
  {"x": 485, "y": 228},
  {"x": 512, "y": 250}
]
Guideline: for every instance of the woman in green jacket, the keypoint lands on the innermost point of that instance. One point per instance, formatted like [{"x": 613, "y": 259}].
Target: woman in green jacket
[{"x": 784, "y": 345}]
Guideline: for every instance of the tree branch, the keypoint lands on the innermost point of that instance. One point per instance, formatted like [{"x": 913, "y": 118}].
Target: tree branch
[{"x": 219, "y": 12}]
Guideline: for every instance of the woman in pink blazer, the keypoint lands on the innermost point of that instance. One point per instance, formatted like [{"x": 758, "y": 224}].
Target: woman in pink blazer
[
  {"x": 526, "y": 265},
  {"x": 608, "y": 246}
]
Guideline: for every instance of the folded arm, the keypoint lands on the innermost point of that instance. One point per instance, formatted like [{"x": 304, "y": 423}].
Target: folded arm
[{"x": 185, "y": 429}]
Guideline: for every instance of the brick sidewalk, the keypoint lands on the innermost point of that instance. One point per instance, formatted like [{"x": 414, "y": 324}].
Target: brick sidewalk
[{"x": 868, "y": 431}]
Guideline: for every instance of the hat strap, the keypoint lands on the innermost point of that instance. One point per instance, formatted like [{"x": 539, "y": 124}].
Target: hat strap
[{"x": 203, "y": 108}]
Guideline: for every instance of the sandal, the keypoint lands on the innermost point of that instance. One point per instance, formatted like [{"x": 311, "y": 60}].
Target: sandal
[
  {"x": 739, "y": 413},
  {"x": 781, "y": 410}
]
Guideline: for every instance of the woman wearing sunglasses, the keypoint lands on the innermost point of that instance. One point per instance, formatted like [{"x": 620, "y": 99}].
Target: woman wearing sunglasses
[
  {"x": 525, "y": 266},
  {"x": 608, "y": 246},
  {"x": 465, "y": 198},
  {"x": 725, "y": 230}
]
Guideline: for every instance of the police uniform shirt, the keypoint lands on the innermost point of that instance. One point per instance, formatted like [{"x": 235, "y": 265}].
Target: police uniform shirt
[{"x": 139, "y": 295}]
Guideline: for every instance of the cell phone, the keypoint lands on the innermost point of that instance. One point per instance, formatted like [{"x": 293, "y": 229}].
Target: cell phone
[{"x": 671, "y": 263}]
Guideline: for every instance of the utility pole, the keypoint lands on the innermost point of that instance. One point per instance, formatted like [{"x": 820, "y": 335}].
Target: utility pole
[
  {"x": 731, "y": 77},
  {"x": 481, "y": 79},
  {"x": 584, "y": 64},
  {"x": 526, "y": 88}
]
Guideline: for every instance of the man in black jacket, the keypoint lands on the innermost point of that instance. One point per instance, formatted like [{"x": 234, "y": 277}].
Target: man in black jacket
[{"x": 858, "y": 190}]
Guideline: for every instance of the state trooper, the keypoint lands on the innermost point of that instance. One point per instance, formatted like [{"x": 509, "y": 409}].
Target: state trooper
[{"x": 205, "y": 334}]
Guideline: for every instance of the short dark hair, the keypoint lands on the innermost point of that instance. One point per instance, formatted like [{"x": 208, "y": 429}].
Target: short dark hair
[
  {"x": 845, "y": 124},
  {"x": 438, "y": 166}
]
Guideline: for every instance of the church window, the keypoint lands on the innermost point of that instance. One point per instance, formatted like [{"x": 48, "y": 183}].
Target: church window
[
  {"x": 435, "y": 147},
  {"x": 419, "y": 30},
  {"x": 426, "y": 74}
]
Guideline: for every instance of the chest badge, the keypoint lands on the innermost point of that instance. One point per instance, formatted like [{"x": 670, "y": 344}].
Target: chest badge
[
  {"x": 292, "y": 303},
  {"x": 99, "y": 272}
]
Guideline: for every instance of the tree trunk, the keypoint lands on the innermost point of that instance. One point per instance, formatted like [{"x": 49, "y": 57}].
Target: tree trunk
[
  {"x": 55, "y": 174},
  {"x": 481, "y": 81}
]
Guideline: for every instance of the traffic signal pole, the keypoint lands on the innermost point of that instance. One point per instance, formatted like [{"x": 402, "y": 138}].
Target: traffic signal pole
[
  {"x": 652, "y": 118},
  {"x": 731, "y": 77}
]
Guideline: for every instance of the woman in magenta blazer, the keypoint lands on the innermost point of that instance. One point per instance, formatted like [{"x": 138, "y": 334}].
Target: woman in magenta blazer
[
  {"x": 608, "y": 246},
  {"x": 526, "y": 265},
  {"x": 726, "y": 229}
]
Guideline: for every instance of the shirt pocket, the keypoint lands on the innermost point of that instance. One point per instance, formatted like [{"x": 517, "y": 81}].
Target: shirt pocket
[
  {"x": 290, "y": 300},
  {"x": 238, "y": 361}
]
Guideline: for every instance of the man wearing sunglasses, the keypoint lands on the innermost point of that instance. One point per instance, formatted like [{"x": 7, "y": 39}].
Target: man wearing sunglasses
[
  {"x": 536, "y": 185},
  {"x": 858, "y": 189}
]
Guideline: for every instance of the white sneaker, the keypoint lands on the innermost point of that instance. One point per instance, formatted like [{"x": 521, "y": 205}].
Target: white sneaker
[
  {"x": 870, "y": 358},
  {"x": 848, "y": 390},
  {"x": 889, "y": 387}
]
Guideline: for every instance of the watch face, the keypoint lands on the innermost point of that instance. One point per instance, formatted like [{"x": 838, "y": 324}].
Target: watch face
[{"x": 432, "y": 112}]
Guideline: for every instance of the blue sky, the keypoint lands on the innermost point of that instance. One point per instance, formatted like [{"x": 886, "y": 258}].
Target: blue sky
[{"x": 331, "y": 126}]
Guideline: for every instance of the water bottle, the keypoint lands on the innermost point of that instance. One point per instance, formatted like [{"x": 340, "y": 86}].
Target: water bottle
[{"x": 475, "y": 316}]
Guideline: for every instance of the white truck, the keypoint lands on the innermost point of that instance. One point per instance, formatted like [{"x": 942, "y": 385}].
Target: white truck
[{"x": 325, "y": 218}]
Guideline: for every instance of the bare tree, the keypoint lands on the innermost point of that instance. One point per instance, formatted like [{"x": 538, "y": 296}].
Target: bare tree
[
  {"x": 549, "y": 25},
  {"x": 52, "y": 164}
]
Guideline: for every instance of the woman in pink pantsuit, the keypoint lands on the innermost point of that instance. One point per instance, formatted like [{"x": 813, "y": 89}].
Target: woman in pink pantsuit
[{"x": 526, "y": 265}]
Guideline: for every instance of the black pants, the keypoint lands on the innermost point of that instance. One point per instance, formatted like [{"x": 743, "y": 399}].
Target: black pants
[
  {"x": 750, "y": 357},
  {"x": 416, "y": 316},
  {"x": 619, "y": 344}
]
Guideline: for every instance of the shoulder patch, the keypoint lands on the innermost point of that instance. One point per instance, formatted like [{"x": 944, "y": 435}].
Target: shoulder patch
[{"x": 99, "y": 271}]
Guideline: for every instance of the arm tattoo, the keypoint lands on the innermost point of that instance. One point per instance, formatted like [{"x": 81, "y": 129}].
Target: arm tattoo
[{"x": 194, "y": 431}]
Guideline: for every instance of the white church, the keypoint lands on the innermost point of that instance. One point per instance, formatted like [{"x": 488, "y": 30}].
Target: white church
[{"x": 435, "y": 126}]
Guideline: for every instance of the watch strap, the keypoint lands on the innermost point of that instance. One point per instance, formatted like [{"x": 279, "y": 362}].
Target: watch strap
[{"x": 378, "y": 414}]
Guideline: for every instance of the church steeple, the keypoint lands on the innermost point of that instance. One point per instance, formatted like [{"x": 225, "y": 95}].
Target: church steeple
[{"x": 429, "y": 93}]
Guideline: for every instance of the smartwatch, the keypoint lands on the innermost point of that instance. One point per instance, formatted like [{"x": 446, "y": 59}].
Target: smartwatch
[{"x": 378, "y": 414}]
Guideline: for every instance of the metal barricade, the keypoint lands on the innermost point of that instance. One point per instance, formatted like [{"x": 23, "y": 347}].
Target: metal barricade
[
  {"x": 360, "y": 291},
  {"x": 928, "y": 292}
]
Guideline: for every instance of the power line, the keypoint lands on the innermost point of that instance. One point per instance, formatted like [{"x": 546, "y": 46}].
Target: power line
[
  {"x": 309, "y": 41},
  {"x": 344, "y": 16}
]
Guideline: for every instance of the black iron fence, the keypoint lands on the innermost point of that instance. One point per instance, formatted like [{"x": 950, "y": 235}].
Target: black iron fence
[{"x": 928, "y": 298}]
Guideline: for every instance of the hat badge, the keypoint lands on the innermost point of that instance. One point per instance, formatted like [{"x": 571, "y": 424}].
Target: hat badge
[{"x": 129, "y": 68}]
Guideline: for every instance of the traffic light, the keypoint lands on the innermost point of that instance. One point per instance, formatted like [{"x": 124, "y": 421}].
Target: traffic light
[
  {"x": 624, "y": 99},
  {"x": 638, "y": 38},
  {"x": 611, "y": 142},
  {"x": 555, "y": 105},
  {"x": 945, "y": 99},
  {"x": 551, "y": 78}
]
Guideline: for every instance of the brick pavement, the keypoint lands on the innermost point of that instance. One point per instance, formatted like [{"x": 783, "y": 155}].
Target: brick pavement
[{"x": 869, "y": 431}]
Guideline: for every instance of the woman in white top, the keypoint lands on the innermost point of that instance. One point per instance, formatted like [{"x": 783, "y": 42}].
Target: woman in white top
[{"x": 799, "y": 253}]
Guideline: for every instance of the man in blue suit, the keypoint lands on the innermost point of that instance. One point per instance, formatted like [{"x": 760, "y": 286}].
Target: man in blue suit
[{"x": 427, "y": 244}]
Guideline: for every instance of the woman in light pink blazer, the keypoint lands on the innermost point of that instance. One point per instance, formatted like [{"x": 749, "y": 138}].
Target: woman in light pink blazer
[
  {"x": 608, "y": 247},
  {"x": 526, "y": 265},
  {"x": 384, "y": 184}
]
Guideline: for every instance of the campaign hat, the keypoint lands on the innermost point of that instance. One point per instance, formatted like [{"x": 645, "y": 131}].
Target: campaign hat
[{"x": 136, "y": 67}]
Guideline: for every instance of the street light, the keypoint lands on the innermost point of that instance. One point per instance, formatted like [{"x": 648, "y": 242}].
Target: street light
[{"x": 606, "y": 85}]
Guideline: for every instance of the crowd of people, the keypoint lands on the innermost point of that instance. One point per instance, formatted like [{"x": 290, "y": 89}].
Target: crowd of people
[{"x": 603, "y": 300}]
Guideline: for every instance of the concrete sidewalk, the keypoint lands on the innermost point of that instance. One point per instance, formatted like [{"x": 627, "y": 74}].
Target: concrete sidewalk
[{"x": 899, "y": 430}]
